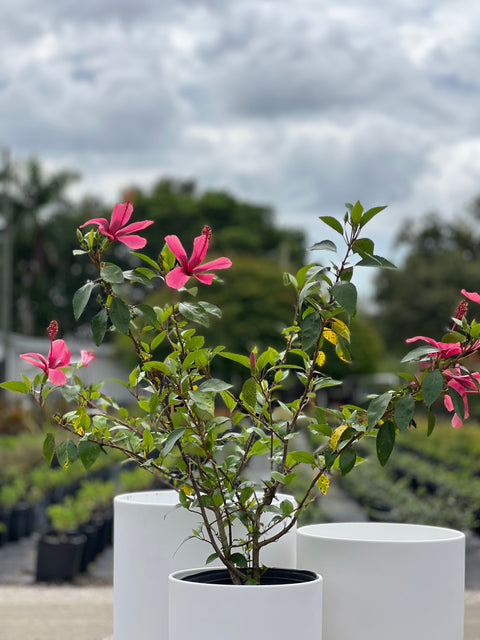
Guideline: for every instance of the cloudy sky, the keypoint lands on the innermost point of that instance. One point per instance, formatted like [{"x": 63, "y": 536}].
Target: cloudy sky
[{"x": 302, "y": 105}]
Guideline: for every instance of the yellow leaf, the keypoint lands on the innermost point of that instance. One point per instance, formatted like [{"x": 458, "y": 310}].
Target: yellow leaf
[
  {"x": 186, "y": 489},
  {"x": 341, "y": 328},
  {"x": 321, "y": 359},
  {"x": 323, "y": 483},
  {"x": 336, "y": 435},
  {"x": 330, "y": 335},
  {"x": 341, "y": 354},
  {"x": 77, "y": 425}
]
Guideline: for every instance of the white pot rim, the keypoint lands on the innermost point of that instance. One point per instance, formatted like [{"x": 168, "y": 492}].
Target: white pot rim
[
  {"x": 381, "y": 532},
  {"x": 178, "y": 577},
  {"x": 164, "y": 497}
]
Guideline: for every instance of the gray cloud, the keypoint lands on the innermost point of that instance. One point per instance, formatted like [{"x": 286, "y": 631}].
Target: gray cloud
[{"x": 301, "y": 106}]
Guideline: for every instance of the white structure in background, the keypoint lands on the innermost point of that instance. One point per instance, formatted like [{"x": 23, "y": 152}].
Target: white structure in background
[{"x": 104, "y": 367}]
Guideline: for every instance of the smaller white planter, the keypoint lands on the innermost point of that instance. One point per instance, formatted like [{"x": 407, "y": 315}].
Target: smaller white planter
[
  {"x": 198, "y": 611},
  {"x": 387, "y": 581},
  {"x": 149, "y": 529}
]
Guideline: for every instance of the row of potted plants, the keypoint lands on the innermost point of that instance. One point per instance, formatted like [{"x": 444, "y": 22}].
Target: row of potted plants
[
  {"x": 28, "y": 485},
  {"x": 411, "y": 489},
  {"x": 81, "y": 525}
]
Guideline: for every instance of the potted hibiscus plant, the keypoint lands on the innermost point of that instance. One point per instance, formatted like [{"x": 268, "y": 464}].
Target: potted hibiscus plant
[{"x": 173, "y": 427}]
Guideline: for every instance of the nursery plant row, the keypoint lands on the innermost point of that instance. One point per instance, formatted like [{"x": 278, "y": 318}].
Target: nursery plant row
[
  {"x": 55, "y": 502},
  {"x": 421, "y": 484},
  {"x": 81, "y": 525}
]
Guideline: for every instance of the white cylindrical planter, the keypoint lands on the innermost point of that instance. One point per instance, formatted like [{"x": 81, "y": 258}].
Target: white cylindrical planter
[
  {"x": 149, "y": 530},
  {"x": 381, "y": 580},
  {"x": 198, "y": 611}
]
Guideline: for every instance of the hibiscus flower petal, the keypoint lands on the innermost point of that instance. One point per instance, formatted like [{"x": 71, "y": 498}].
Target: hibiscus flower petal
[
  {"x": 471, "y": 295},
  {"x": 120, "y": 216},
  {"x": 176, "y": 247},
  {"x": 135, "y": 226},
  {"x": 57, "y": 377},
  {"x": 59, "y": 355},
  {"x": 177, "y": 278},
  {"x": 204, "y": 278},
  {"x": 218, "y": 263},
  {"x": 456, "y": 421},
  {"x": 133, "y": 242},
  {"x": 425, "y": 339},
  {"x": 36, "y": 359},
  {"x": 200, "y": 247},
  {"x": 102, "y": 223}
]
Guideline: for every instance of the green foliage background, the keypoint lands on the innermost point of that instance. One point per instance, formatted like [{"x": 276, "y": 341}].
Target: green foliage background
[{"x": 46, "y": 274}]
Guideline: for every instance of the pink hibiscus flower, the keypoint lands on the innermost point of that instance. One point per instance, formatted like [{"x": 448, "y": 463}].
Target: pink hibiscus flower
[
  {"x": 442, "y": 349},
  {"x": 462, "y": 384},
  {"x": 179, "y": 276},
  {"x": 87, "y": 357},
  {"x": 116, "y": 229},
  {"x": 58, "y": 356}
]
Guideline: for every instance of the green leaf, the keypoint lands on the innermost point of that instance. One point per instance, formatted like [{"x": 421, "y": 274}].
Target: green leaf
[
  {"x": 311, "y": 328},
  {"x": 385, "y": 442},
  {"x": 67, "y": 453},
  {"x": 120, "y": 315},
  {"x": 345, "y": 293},
  {"x": 376, "y": 261},
  {"x": 377, "y": 408},
  {"x": 203, "y": 401},
  {"x": 240, "y": 560},
  {"x": 146, "y": 259},
  {"x": 112, "y": 273},
  {"x": 404, "y": 410},
  {"x": 363, "y": 246},
  {"x": 347, "y": 461},
  {"x": 211, "y": 558},
  {"x": 278, "y": 477},
  {"x": 99, "y": 326},
  {"x": 194, "y": 313},
  {"x": 287, "y": 507},
  {"x": 324, "y": 245},
  {"x": 229, "y": 401},
  {"x": 147, "y": 438},
  {"x": 419, "y": 352},
  {"x": 210, "y": 308},
  {"x": 368, "y": 215},
  {"x": 300, "y": 456},
  {"x": 88, "y": 452},
  {"x": 356, "y": 213},
  {"x": 270, "y": 356},
  {"x": 159, "y": 338},
  {"x": 249, "y": 393},
  {"x": 15, "y": 385},
  {"x": 49, "y": 448},
  {"x": 214, "y": 384},
  {"x": 431, "y": 423},
  {"x": 81, "y": 298},
  {"x": 147, "y": 313},
  {"x": 432, "y": 386},
  {"x": 333, "y": 223},
  {"x": 236, "y": 357},
  {"x": 172, "y": 440}
]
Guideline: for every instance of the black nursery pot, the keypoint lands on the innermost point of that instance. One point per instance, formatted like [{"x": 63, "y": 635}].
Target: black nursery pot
[
  {"x": 269, "y": 577},
  {"x": 19, "y": 521},
  {"x": 59, "y": 557}
]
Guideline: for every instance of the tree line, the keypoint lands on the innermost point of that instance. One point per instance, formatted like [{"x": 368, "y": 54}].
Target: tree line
[{"x": 440, "y": 258}]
